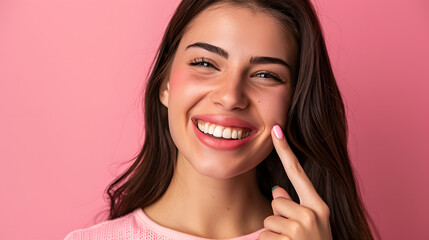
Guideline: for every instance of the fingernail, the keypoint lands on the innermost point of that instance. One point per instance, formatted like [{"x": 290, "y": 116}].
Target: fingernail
[
  {"x": 272, "y": 189},
  {"x": 278, "y": 132}
]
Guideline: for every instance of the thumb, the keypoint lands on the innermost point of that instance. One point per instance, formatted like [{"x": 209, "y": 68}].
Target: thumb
[{"x": 280, "y": 192}]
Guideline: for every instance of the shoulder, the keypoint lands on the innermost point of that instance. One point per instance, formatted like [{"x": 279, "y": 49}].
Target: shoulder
[{"x": 120, "y": 228}]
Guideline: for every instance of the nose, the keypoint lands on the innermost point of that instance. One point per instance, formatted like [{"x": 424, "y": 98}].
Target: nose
[{"x": 230, "y": 93}]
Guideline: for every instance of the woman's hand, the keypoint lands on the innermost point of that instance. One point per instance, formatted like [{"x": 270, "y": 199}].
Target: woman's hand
[{"x": 308, "y": 220}]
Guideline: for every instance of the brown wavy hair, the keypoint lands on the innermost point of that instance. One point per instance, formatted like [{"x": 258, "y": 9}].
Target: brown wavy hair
[{"x": 316, "y": 125}]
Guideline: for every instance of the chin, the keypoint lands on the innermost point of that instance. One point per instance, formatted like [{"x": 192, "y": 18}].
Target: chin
[{"x": 220, "y": 169}]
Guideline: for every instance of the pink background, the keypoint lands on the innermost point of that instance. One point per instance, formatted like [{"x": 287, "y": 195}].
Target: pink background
[{"x": 71, "y": 74}]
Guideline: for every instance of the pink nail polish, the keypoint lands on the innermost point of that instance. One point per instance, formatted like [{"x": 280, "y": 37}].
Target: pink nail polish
[{"x": 278, "y": 132}]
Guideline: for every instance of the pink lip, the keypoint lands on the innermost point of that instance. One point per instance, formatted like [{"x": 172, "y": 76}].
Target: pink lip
[{"x": 223, "y": 144}]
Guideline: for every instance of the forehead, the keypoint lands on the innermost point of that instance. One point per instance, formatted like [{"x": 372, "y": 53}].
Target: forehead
[{"x": 241, "y": 30}]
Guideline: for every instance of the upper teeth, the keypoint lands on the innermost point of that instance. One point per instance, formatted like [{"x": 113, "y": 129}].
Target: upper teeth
[{"x": 221, "y": 131}]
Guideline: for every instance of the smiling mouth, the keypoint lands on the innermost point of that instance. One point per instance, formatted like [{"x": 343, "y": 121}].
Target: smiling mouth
[{"x": 221, "y": 132}]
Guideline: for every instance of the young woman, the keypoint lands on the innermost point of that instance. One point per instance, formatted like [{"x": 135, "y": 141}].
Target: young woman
[{"x": 246, "y": 134}]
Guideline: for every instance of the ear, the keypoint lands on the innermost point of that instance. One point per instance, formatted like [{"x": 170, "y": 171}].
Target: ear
[{"x": 164, "y": 91}]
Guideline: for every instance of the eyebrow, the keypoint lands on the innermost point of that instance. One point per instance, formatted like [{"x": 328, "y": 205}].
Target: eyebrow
[
  {"x": 223, "y": 53},
  {"x": 210, "y": 48},
  {"x": 268, "y": 60}
]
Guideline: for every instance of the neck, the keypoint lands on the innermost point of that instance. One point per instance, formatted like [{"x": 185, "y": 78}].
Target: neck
[{"x": 210, "y": 207}]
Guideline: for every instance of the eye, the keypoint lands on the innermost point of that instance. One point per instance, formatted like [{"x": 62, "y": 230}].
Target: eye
[
  {"x": 204, "y": 63},
  {"x": 268, "y": 75}
]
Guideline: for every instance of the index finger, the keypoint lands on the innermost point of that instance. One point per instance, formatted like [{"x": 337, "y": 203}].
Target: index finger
[{"x": 304, "y": 188}]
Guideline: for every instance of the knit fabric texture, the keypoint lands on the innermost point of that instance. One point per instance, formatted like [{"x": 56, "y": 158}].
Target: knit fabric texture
[{"x": 137, "y": 225}]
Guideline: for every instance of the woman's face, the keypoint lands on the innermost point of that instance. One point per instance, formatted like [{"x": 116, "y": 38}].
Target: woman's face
[{"x": 229, "y": 84}]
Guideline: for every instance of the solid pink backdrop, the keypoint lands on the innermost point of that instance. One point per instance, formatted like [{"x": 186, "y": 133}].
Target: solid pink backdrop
[{"x": 71, "y": 76}]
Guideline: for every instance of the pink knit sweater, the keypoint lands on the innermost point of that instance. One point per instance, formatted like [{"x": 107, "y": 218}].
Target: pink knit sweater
[{"x": 137, "y": 225}]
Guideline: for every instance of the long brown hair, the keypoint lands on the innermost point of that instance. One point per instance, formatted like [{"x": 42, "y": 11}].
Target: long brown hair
[{"x": 316, "y": 125}]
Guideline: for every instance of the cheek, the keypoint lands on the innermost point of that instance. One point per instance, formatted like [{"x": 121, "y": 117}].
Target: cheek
[
  {"x": 178, "y": 104},
  {"x": 177, "y": 79},
  {"x": 183, "y": 83},
  {"x": 184, "y": 93},
  {"x": 274, "y": 106}
]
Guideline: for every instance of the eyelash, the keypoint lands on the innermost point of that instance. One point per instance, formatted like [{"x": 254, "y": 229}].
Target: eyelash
[
  {"x": 208, "y": 64},
  {"x": 202, "y": 62}
]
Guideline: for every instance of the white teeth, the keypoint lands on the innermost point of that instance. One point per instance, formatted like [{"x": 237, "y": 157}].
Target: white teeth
[
  {"x": 226, "y": 133},
  {"x": 212, "y": 128},
  {"x": 218, "y": 131},
  {"x": 234, "y": 134},
  {"x": 206, "y": 127}
]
